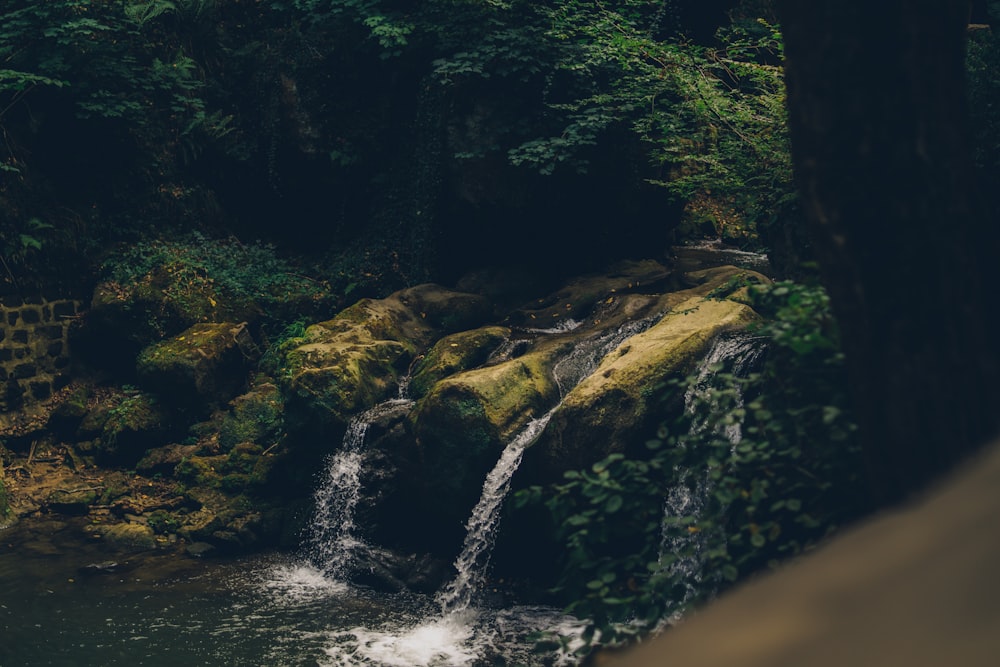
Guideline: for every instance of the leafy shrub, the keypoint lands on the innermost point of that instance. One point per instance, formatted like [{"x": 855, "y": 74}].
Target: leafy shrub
[
  {"x": 249, "y": 274},
  {"x": 738, "y": 504}
]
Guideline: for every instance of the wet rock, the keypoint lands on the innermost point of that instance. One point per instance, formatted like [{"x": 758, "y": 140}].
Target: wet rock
[
  {"x": 104, "y": 567},
  {"x": 386, "y": 570},
  {"x": 200, "y": 549},
  {"x": 128, "y": 536},
  {"x": 580, "y": 296},
  {"x": 461, "y": 426},
  {"x": 611, "y": 407},
  {"x": 163, "y": 460}
]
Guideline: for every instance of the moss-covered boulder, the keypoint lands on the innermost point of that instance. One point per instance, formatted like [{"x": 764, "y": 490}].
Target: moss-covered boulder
[
  {"x": 454, "y": 353},
  {"x": 120, "y": 429},
  {"x": 254, "y": 417},
  {"x": 355, "y": 360},
  {"x": 463, "y": 423},
  {"x": 157, "y": 289},
  {"x": 163, "y": 460},
  {"x": 229, "y": 523},
  {"x": 128, "y": 536},
  {"x": 73, "y": 499},
  {"x": 202, "y": 368},
  {"x": 611, "y": 407}
]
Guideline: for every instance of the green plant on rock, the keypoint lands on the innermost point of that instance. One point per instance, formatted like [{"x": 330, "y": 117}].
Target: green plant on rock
[
  {"x": 163, "y": 522},
  {"x": 201, "y": 276},
  {"x": 258, "y": 419},
  {"x": 791, "y": 478}
]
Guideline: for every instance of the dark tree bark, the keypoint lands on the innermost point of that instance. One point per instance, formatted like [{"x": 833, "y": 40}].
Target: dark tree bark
[{"x": 877, "y": 114}]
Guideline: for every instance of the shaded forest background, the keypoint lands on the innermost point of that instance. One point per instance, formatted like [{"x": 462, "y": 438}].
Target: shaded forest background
[{"x": 386, "y": 144}]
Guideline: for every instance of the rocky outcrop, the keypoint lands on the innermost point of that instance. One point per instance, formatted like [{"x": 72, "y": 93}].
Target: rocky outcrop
[
  {"x": 455, "y": 353},
  {"x": 222, "y": 455},
  {"x": 348, "y": 364},
  {"x": 611, "y": 408},
  {"x": 462, "y": 421},
  {"x": 201, "y": 368},
  {"x": 120, "y": 429}
]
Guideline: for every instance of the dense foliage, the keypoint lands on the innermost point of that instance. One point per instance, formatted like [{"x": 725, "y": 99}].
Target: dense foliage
[
  {"x": 385, "y": 130},
  {"x": 647, "y": 536}
]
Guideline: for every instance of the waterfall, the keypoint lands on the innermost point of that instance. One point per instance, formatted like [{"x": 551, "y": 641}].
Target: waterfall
[
  {"x": 736, "y": 353},
  {"x": 459, "y": 634},
  {"x": 472, "y": 562},
  {"x": 332, "y": 543}
]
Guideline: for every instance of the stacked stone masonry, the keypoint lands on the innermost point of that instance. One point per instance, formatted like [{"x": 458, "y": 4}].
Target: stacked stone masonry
[{"x": 34, "y": 355}]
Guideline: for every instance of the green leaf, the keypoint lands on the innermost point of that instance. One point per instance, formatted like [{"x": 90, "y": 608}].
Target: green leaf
[
  {"x": 30, "y": 242},
  {"x": 614, "y": 504}
]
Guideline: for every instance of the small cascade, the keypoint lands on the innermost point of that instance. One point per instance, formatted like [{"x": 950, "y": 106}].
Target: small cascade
[
  {"x": 587, "y": 355},
  {"x": 459, "y": 633},
  {"x": 481, "y": 527},
  {"x": 332, "y": 544},
  {"x": 736, "y": 353}
]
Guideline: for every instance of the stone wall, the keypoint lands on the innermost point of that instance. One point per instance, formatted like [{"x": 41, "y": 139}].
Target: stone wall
[{"x": 34, "y": 355}]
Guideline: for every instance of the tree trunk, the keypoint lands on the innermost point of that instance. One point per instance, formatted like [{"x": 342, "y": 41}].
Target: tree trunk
[{"x": 877, "y": 113}]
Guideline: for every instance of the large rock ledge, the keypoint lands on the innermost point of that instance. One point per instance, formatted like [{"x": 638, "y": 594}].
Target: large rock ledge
[{"x": 610, "y": 408}]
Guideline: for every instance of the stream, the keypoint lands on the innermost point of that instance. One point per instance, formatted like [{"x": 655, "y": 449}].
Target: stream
[{"x": 270, "y": 610}]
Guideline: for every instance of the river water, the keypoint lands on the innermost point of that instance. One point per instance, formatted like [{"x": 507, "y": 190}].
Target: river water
[{"x": 162, "y": 609}]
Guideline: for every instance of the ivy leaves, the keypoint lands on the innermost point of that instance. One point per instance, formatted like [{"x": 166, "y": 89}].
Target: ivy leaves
[{"x": 792, "y": 476}]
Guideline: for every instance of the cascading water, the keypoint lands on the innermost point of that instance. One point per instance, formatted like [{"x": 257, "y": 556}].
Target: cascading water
[
  {"x": 459, "y": 633},
  {"x": 481, "y": 527},
  {"x": 472, "y": 562},
  {"x": 736, "y": 353},
  {"x": 332, "y": 544}
]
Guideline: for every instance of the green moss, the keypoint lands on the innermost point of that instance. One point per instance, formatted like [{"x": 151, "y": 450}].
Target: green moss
[
  {"x": 163, "y": 522},
  {"x": 256, "y": 417},
  {"x": 197, "y": 470},
  {"x": 201, "y": 279},
  {"x": 136, "y": 411},
  {"x": 453, "y": 354}
]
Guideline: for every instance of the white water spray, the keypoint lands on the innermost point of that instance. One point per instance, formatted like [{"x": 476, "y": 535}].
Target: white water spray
[
  {"x": 332, "y": 543},
  {"x": 460, "y": 634}
]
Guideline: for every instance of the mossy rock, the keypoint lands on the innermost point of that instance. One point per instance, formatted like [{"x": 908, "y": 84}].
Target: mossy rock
[
  {"x": 202, "y": 471},
  {"x": 129, "y": 424},
  {"x": 355, "y": 360},
  {"x": 463, "y": 423},
  {"x": 254, "y": 417},
  {"x": 231, "y": 523},
  {"x": 128, "y": 536},
  {"x": 73, "y": 500},
  {"x": 163, "y": 460},
  {"x": 580, "y": 296},
  {"x": 203, "y": 367},
  {"x": 455, "y": 353},
  {"x": 68, "y": 414},
  {"x": 611, "y": 407}
]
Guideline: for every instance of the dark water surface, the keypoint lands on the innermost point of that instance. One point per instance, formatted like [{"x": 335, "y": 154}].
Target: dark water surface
[{"x": 171, "y": 610}]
